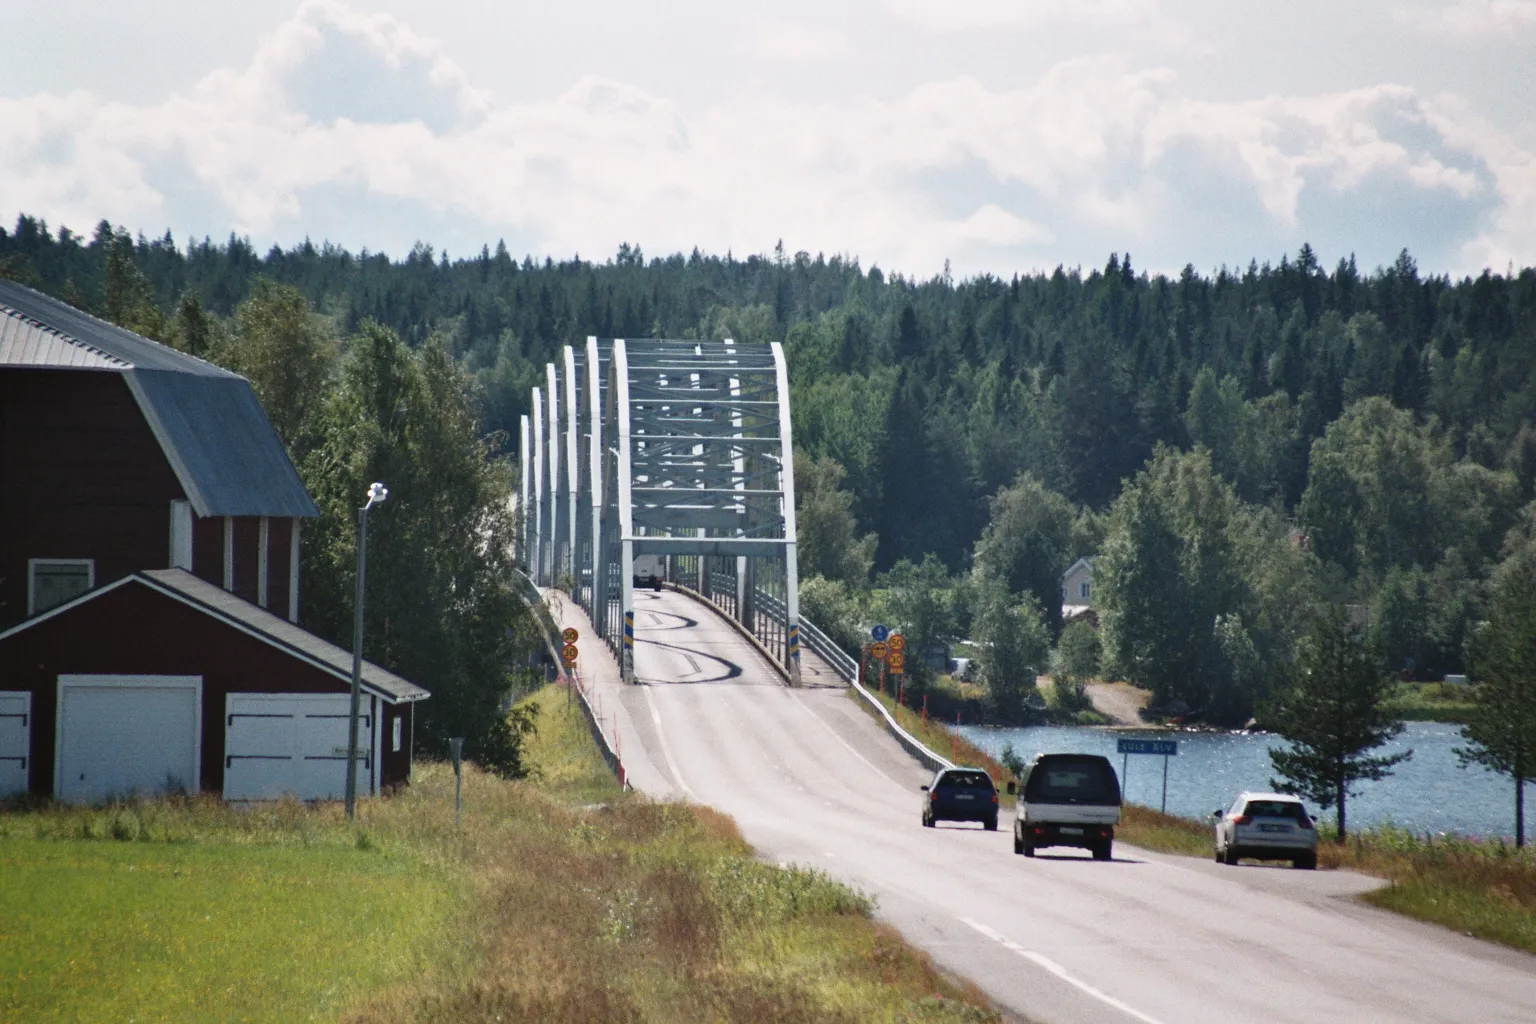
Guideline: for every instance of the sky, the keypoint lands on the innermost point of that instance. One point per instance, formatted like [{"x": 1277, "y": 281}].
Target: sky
[{"x": 999, "y": 136}]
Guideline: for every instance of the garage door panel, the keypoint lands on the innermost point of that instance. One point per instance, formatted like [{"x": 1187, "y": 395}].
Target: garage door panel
[
  {"x": 258, "y": 778},
  {"x": 15, "y": 740},
  {"x": 323, "y": 731},
  {"x": 126, "y": 734},
  {"x": 290, "y": 744}
]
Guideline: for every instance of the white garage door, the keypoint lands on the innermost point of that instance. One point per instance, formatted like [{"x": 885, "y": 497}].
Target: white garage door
[
  {"x": 276, "y": 743},
  {"x": 15, "y": 740},
  {"x": 119, "y": 735}
]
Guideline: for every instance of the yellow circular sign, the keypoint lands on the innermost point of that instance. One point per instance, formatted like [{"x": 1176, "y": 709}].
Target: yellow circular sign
[
  {"x": 569, "y": 635},
  {"x": 878, "y": 651},
  {"x": 896, "y": 662},
  {"x": 897, "y": 642},
  {"x": 569, "y": 654}
]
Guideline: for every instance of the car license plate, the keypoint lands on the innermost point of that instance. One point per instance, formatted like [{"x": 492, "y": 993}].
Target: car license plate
[
  {"x": 1274, "y": 828},
  {"x": 1068, "y": 830},
  {"x": 964, "y": 796}
]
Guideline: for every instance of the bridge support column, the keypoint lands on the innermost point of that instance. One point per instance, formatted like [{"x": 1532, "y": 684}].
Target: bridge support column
[
  {"x": 746, "y": 582},
  {"x": 791, "y": 614},
  {"x": 627, "y": 579}
]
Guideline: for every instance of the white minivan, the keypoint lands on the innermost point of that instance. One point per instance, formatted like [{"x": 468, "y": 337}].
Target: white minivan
[
  {"x": 1066, "y": 800},
  {"x": 648, "y": 571}
]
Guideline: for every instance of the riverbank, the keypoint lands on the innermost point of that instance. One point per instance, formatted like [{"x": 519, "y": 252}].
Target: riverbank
[
  {"x": 561, "y": 898},
  {"x": 1479, "y": 888}
]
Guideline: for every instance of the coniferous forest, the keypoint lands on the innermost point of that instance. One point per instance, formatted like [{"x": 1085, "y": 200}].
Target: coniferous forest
[{"x": 1238, "y": 446}]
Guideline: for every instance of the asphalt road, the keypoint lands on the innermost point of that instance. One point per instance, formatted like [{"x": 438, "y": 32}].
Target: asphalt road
[{"x": 812, "y": 780}]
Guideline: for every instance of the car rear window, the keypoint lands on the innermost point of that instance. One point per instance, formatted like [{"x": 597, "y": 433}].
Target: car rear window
[
  {"x": 1275, "y": 809},
  {"x": 966, "y": 780},
  {"x": 1078, "y": 782}
]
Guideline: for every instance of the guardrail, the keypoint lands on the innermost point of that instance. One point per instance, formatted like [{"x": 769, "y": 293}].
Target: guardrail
[{"x": 847, "y": 667}]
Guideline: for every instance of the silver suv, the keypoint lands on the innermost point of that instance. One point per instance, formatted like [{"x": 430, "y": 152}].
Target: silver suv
[{"x": 1266, "y": 826}]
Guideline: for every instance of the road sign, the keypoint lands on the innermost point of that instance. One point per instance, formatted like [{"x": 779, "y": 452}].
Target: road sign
[
  {"x": 569, "y": 654},
  {"x": 897, "y": 662},
  {"x": 897, "y": 642},
  {"x": 1165, "y": 748},
  {"x": 879, "y": 651},
  {"x": 880, "y": 633},
  {"x": 569, "y": 635}
]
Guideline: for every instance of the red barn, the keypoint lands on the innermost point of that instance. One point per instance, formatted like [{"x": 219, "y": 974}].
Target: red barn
[{"x": 150, "y": 523}]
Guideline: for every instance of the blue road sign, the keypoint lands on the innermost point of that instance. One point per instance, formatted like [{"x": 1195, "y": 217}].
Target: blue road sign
[
  {"x": 880, "y": 633},
  {"x": 1167, "y": 748}
]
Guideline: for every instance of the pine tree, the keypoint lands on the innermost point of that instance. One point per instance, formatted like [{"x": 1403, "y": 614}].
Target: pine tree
[
  {"x": 1334, "y": 712},
  {"x": 1501, "y": 732}
]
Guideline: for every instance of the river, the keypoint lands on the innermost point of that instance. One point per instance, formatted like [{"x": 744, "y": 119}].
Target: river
[{"x": 1428, "y": 793}]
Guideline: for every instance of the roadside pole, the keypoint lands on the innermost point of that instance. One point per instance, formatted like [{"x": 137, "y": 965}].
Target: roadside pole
[{"x": 456, "y": 748}]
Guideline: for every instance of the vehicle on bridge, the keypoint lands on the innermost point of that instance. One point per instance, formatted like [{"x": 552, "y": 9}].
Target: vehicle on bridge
[
  {"x": 961, "y": 794},
  {"x": 1066, "y": 800},
  {"x": 1266, "y": 826},
  {"x": 649, "y": 571}
]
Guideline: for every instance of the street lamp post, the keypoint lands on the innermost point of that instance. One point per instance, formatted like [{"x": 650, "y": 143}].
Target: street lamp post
[{"x": 376, "y": 495}]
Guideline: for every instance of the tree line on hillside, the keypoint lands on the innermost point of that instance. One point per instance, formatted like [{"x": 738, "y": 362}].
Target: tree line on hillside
[{"x": 1238, "y": 448}]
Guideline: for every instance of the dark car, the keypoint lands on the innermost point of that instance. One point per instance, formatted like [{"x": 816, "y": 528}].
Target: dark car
[{"x": 961, "y": 794}]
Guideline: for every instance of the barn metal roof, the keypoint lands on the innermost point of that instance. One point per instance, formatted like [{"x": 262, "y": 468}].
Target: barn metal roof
[
  {"x": 212, "y": 429},
  {"x": 281, "y": 632}
]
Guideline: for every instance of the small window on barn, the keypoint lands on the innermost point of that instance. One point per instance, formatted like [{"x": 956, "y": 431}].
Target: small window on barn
[
  {"x": 399, "y": 731},
  {"x": 53, "y": 581},
  {"x": 1083, "y": 589}
]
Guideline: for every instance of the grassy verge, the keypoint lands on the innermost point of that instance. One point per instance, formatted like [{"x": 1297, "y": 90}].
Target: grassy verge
[
  {"x": 1153, "y": 830},
  {"x": 560, "y": 899},
  {"x": 938, "y": 737},
  {"x": 1486, "y": 889},
  {"x": 1433, "y": 702}
]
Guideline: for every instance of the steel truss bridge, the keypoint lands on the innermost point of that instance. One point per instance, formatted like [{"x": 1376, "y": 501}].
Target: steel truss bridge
[{"x": 675, "y": 449}]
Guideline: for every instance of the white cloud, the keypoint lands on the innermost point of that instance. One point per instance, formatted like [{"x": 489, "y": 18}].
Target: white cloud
[
  {"x": 952, "y": 16},
  {"x": 797, "y": 43},
  {"x": 1096, "y": 153},
  {"x": 1478, "y": 19},
  {"x": 993, "y": 225}
]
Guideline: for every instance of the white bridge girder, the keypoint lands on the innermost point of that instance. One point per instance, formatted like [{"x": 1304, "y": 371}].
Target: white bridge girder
[{"x": 678, "y": 449}]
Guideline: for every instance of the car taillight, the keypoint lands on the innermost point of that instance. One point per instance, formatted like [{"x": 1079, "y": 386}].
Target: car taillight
[
  {"x": 1242, "y": 819},
  {"x": 994, "y": 798},
  {"x": 1304, "y": 823}
]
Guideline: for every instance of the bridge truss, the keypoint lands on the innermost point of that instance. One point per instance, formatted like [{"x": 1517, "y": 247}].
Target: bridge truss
[{"x": 680, "y": 450}]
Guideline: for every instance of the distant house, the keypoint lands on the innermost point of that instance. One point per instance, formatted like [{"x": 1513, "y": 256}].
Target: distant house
[
  {"x": 1077, "y": 589},
  {"x": 150, "y": 523}
]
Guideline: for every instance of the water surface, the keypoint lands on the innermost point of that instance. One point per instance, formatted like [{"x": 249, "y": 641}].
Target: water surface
[{"x": 1428, "y": 793}]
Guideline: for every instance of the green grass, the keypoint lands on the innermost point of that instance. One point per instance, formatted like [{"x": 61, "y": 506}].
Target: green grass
[
  {"x": 562, "y": 756},
  {"x": 1433, "y": 702},
  {"x": 119, "y": 931},
  {"x": 1153, "y": 830},
  {"x": 560, "y": 899},
  {"x": 1481, "y": 888}
]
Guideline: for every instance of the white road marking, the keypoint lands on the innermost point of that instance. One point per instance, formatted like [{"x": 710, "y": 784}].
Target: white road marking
[
  {"x": 666, "y": 748},
  {"x": 1041, "y": 960}
]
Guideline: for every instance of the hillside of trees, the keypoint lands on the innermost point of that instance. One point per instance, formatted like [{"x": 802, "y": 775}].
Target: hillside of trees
[{"x": 1237, "y": 446}]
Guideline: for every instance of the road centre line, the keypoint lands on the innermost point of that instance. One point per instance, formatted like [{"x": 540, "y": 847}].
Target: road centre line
[
  {"x": 1040, "y": 960},
  {"x": 666, "y": 748}
]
